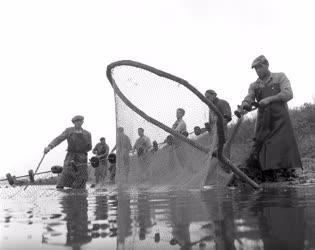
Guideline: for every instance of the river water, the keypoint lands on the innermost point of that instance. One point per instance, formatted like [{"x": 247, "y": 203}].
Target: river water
[{"x": 157, "y": 218}]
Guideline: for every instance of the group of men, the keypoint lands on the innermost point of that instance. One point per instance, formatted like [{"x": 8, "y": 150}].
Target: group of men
[{"x": 274, "y": 148}]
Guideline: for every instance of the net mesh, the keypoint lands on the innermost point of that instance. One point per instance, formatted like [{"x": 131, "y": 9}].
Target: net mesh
[
  {"x": 148, "y": 98},
  {"x": 30, "y": 184}
]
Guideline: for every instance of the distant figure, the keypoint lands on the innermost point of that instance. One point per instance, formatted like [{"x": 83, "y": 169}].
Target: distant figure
[
  {"x": 74, "y": 173},
  {"x": 123, "y": 148},
  {"x": 180, "y": 125},
  {"x": 275, "y": 146},
  {"x": 142, "y": 144},
  {"x": 222, "y": 105},
  {"x": 101, "y": 149}
]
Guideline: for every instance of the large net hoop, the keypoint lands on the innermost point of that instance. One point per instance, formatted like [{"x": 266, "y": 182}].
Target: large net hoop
[{"x": 153, "y": 98}]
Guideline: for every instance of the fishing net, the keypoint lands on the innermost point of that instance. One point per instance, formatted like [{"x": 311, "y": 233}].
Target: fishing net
[
  {"x": 34, "y": 184},
  {"x": 148, "y": 98}
]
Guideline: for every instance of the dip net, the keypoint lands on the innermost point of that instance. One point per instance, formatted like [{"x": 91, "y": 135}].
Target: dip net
[{"x": 148, "y": 99}]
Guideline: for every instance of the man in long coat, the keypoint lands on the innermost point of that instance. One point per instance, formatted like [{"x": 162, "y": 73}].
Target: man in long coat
[{"x": 275, "y": 145}]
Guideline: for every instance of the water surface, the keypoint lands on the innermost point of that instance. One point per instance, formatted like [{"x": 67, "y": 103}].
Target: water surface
[
  {"x": 42, "y": 217},
  {"x": 157, "y": 218},
  {"x": 274, "y": 218}
]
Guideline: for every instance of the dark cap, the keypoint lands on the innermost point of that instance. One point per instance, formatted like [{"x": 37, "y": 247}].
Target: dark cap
[
  {"x": 77, "y": 118},
  {"x": 102, "y": 138},
  {"x": 211, "y": 91},
  {"x": 260, "y": 60}
]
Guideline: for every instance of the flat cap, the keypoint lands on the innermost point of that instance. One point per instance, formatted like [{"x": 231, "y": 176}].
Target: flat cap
[
  {"x": 211, "y": 91},
  {"x": 260, "y": 60},
  {"x": 77, "y": 118}
]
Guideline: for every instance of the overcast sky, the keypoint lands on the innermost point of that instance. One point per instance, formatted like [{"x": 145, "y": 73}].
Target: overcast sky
[{"x": 53, "y": 58}]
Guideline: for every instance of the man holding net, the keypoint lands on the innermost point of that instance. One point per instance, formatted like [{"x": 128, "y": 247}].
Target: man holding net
[
  {"x": 101, "y": 149},
  {"x": 142, "y": 144},
  {"x": 225, "y": 109},
  {"x": 75, "y": 172},
  {"x": 275, "y": 149},
  {"x": 222, "y": 105},
  {"x": 180, "y": 124}
]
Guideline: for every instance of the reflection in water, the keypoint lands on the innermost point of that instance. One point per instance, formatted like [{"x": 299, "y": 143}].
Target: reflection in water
[
  {"x": 271, "y": 219},
  {"x": 143, "y": 215},
  {"x": 68, "y": 219},
  {"x": 281, "y": 224},
  {"x": 75, "y": 208},
  {"x": 180, "y": 217},
  {"x": 101, "y": 208},
  {"x": 279, "y": 218},
  {"x": 123, "y": 218},
  {"x": 221, "y": 210},
  {"x": 112, "y": 208}
]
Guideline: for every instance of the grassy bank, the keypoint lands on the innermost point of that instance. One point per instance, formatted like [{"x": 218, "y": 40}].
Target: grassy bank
[{"x": 303, "y": 120}]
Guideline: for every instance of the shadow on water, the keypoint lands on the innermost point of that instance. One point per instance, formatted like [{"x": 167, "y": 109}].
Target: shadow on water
[{"x": 277, "y": 218}]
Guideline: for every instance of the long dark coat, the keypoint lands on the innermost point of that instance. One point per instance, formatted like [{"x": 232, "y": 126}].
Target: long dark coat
[{"x": 274, "y": 133}]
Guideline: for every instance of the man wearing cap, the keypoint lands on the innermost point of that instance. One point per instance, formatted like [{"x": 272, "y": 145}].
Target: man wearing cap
[
  {"x": 142, "y": 146},
  {"x": 224, "y": 108},
  {"x": 74, "y": 173},
  {"x": 222, "y": 105},
  {"x": 101, "y": 149},
  {"x": 275, "y": 146}
]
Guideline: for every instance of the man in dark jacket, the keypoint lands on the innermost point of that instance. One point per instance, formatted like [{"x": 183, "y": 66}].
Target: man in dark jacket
[
  {"x": 101, "y": 149},
  {"x": 222, "y": 105},
  {"x": 74, "y": 173},
  {"x": 275, "y": 145}
]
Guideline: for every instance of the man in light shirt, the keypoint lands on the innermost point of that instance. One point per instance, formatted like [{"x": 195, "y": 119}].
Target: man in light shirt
[{"x": 180, "y": 125}]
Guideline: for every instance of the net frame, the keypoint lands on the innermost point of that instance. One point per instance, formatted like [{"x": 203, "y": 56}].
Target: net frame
[{"x": 220, "y": 128}]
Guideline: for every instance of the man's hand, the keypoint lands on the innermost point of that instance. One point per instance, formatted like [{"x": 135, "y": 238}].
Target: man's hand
[
  {"x": 227, "y": 118},
  {"x": 264, "y": 102},
  {"x": 47, "y": 149},
  {"x": 246, "y": 106}
]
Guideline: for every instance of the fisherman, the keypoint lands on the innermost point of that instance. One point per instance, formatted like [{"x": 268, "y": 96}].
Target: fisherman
[
  {"x": 101, "y": 149},
  {"x": 142, "y": 146},
  {"x": 75, "y": 171},
  {"x": 222, "y": 105},
  {"x": 180, "y": 125},
  {"x": 143, "y": 143},
  {"x": 224, "y": 108},
  {"x": 123, "y": 149},
  {"x": 275, "y": 147}
]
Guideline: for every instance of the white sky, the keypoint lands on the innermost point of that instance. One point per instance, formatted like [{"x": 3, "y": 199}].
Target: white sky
[{"x": 53, "y": 58}]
